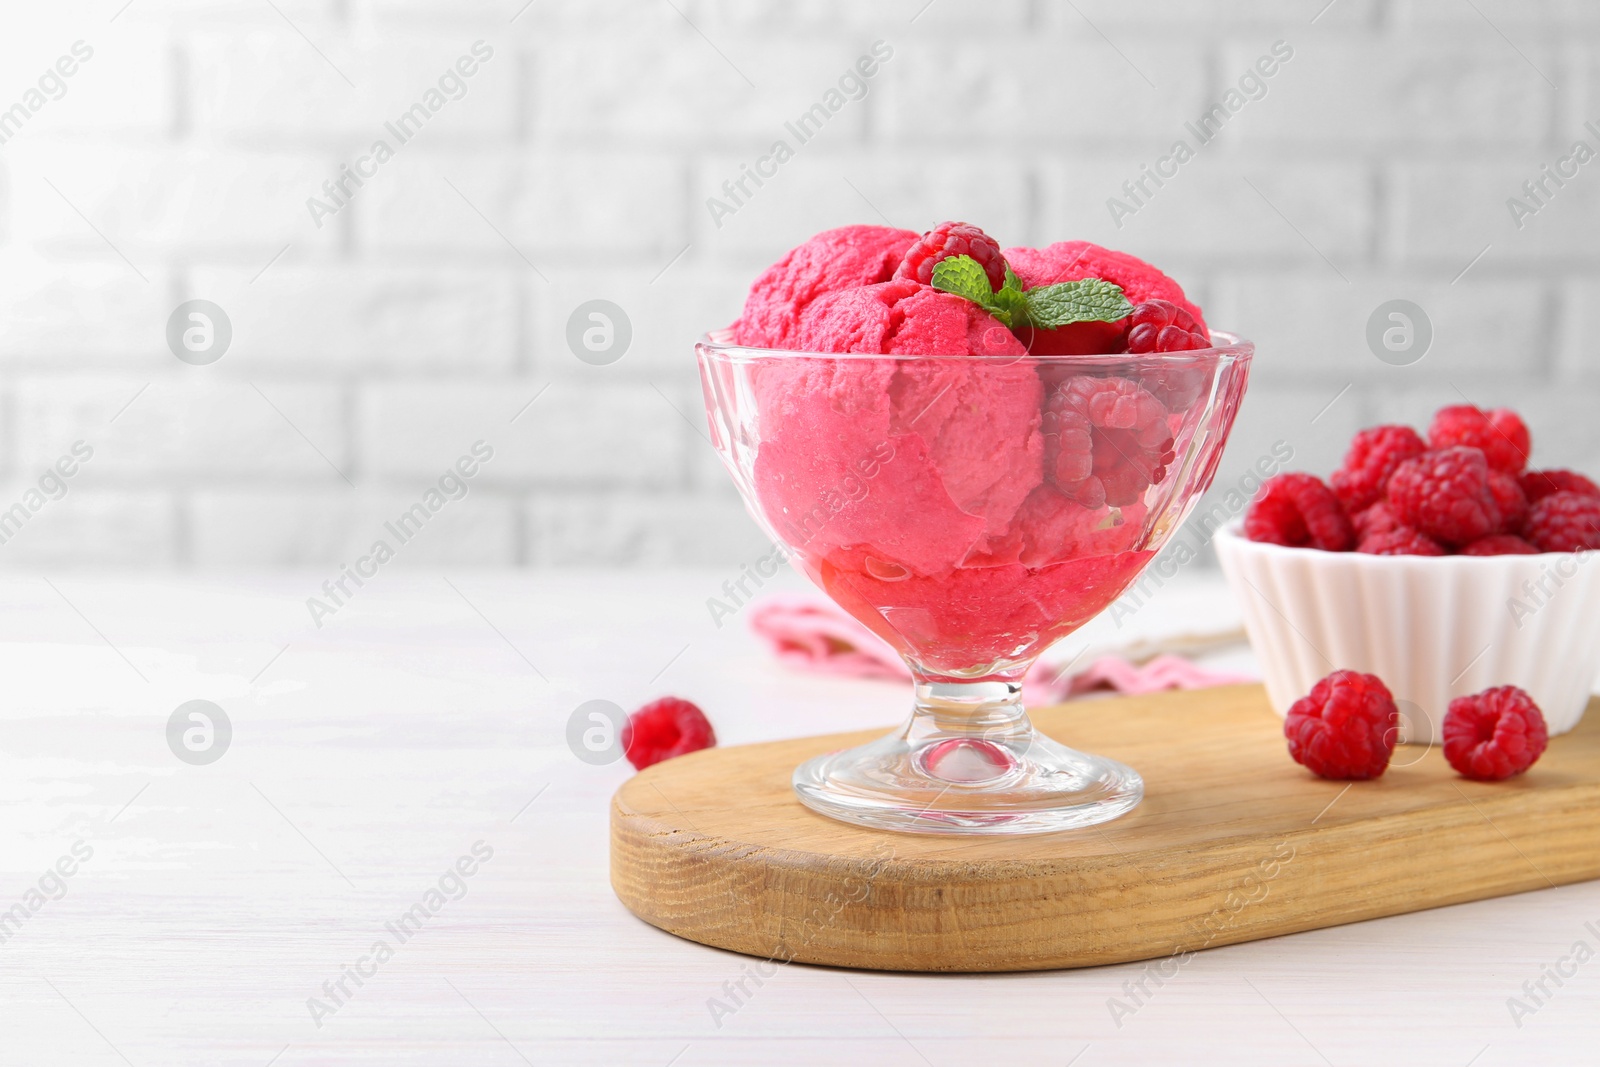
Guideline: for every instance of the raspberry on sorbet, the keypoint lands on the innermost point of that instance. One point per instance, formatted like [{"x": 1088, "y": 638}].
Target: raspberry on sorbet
[
  {"x": 953, "y": 239},
  {"x": 1162, "y": 326}
]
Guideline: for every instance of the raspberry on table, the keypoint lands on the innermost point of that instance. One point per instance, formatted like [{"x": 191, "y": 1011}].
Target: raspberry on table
[
  {"x": 953, "y": 239},
  {"x": 1509, "y": 498},
  {"x": 1537, "y": 485},
  {"x": 1162, "y": 326},
  {"x": 1445, "y": 493},
  {"x": 663, "y": 729},
  {"x": 1500, "y": 433},
  {"x": 1346, "y": 728},
  {"x": 1564, "y": 522},
  {"x": 1500, "y": 545},
  {"x": 1400, "y": 541},
  {"x": 1495, "y": 734},
  {"x": 1372, "y": 458},
  {"x": 1297, "y": 510}
]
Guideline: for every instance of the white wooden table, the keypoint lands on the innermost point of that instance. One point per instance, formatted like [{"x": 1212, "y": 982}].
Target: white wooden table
[{"x": 429, "y": 715}]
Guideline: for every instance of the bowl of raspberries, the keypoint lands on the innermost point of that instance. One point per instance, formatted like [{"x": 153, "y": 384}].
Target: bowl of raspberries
[{"x": 1441, "y": 563}]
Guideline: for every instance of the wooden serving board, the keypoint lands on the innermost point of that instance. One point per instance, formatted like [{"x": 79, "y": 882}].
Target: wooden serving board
[{"x": 1233, "y": 842}]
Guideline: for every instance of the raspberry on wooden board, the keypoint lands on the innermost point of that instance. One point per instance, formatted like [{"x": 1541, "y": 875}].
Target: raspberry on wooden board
[
  {"x": 1345, "y": 728},
  {"x": 1495, "y": 734}
]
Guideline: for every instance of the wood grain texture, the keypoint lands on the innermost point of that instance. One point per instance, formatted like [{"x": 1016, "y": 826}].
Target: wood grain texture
[{"x": 1233, "y": 842}]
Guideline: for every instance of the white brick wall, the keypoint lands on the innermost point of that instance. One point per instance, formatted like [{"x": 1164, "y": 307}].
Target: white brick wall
[{"x": 424, "y": 314}]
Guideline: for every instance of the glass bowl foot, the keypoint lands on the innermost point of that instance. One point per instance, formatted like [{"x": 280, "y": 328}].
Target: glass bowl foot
[{"x": 1024, "y": 783}]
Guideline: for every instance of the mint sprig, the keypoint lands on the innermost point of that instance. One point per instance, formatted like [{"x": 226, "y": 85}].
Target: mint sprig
[
  {"x": 1085, "y": 300},
  {"x": 1045, "y": 307}
]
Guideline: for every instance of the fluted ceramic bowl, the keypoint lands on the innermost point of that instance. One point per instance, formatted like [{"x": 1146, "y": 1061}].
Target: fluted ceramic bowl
[{"x": 1432, "y": 627}]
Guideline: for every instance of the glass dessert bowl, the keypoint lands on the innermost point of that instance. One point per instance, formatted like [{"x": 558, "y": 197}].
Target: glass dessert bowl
[{"x": 971, "y": 510}]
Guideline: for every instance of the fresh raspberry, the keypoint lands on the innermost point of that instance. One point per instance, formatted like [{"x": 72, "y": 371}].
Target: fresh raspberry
[
  {"x": 1564, "y": 522},
  {"x": 1069, "y": 445},
  {"x": 1378, "y": 519},
  {"x": 1346, "y": 728},
  {"x": 1106, "y": 440},
  {"x": 1509, "y": 500},
  {"x": 953, "y": 239},
  {"x": 1445, "y": 493},
  {"x": 663, "y": 729},
  {"x": 1299, "y": 511},
  {"x": 1178, "y": 387},
  {"x": 1537, "y": 485},
  {"x": 1400, "y": 541},
  {"x": 1501, "y": 434},
  {"x": 1495, "y": 734},
  {"x": 1114, "y": 403},
  {"x": 1162, "y": 326},
  {"x": 1500, "y": 545},
  {"x": 1127, "y": 462},
  {"x": 1372, "y": 458},
  {"x": 1126, "y": 482}
]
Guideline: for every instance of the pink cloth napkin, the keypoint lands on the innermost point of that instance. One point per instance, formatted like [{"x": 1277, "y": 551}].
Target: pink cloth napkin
[{"x": 814, "y": 635}]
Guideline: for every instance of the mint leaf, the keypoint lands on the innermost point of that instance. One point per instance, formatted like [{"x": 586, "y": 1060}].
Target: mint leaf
[
  {"x": 1010, "y": 306},
  {"x": 1087, "y": 300},
  {"x": 963, "y": 276},
  {"x": 1012, "y": 281}
]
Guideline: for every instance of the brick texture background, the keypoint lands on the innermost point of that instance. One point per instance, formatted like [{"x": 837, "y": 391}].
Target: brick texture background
[{"x": 369, "y": 353}]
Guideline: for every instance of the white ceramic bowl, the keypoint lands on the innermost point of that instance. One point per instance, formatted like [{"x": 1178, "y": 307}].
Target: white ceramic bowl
[{"x": 1433, "y": 628}]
